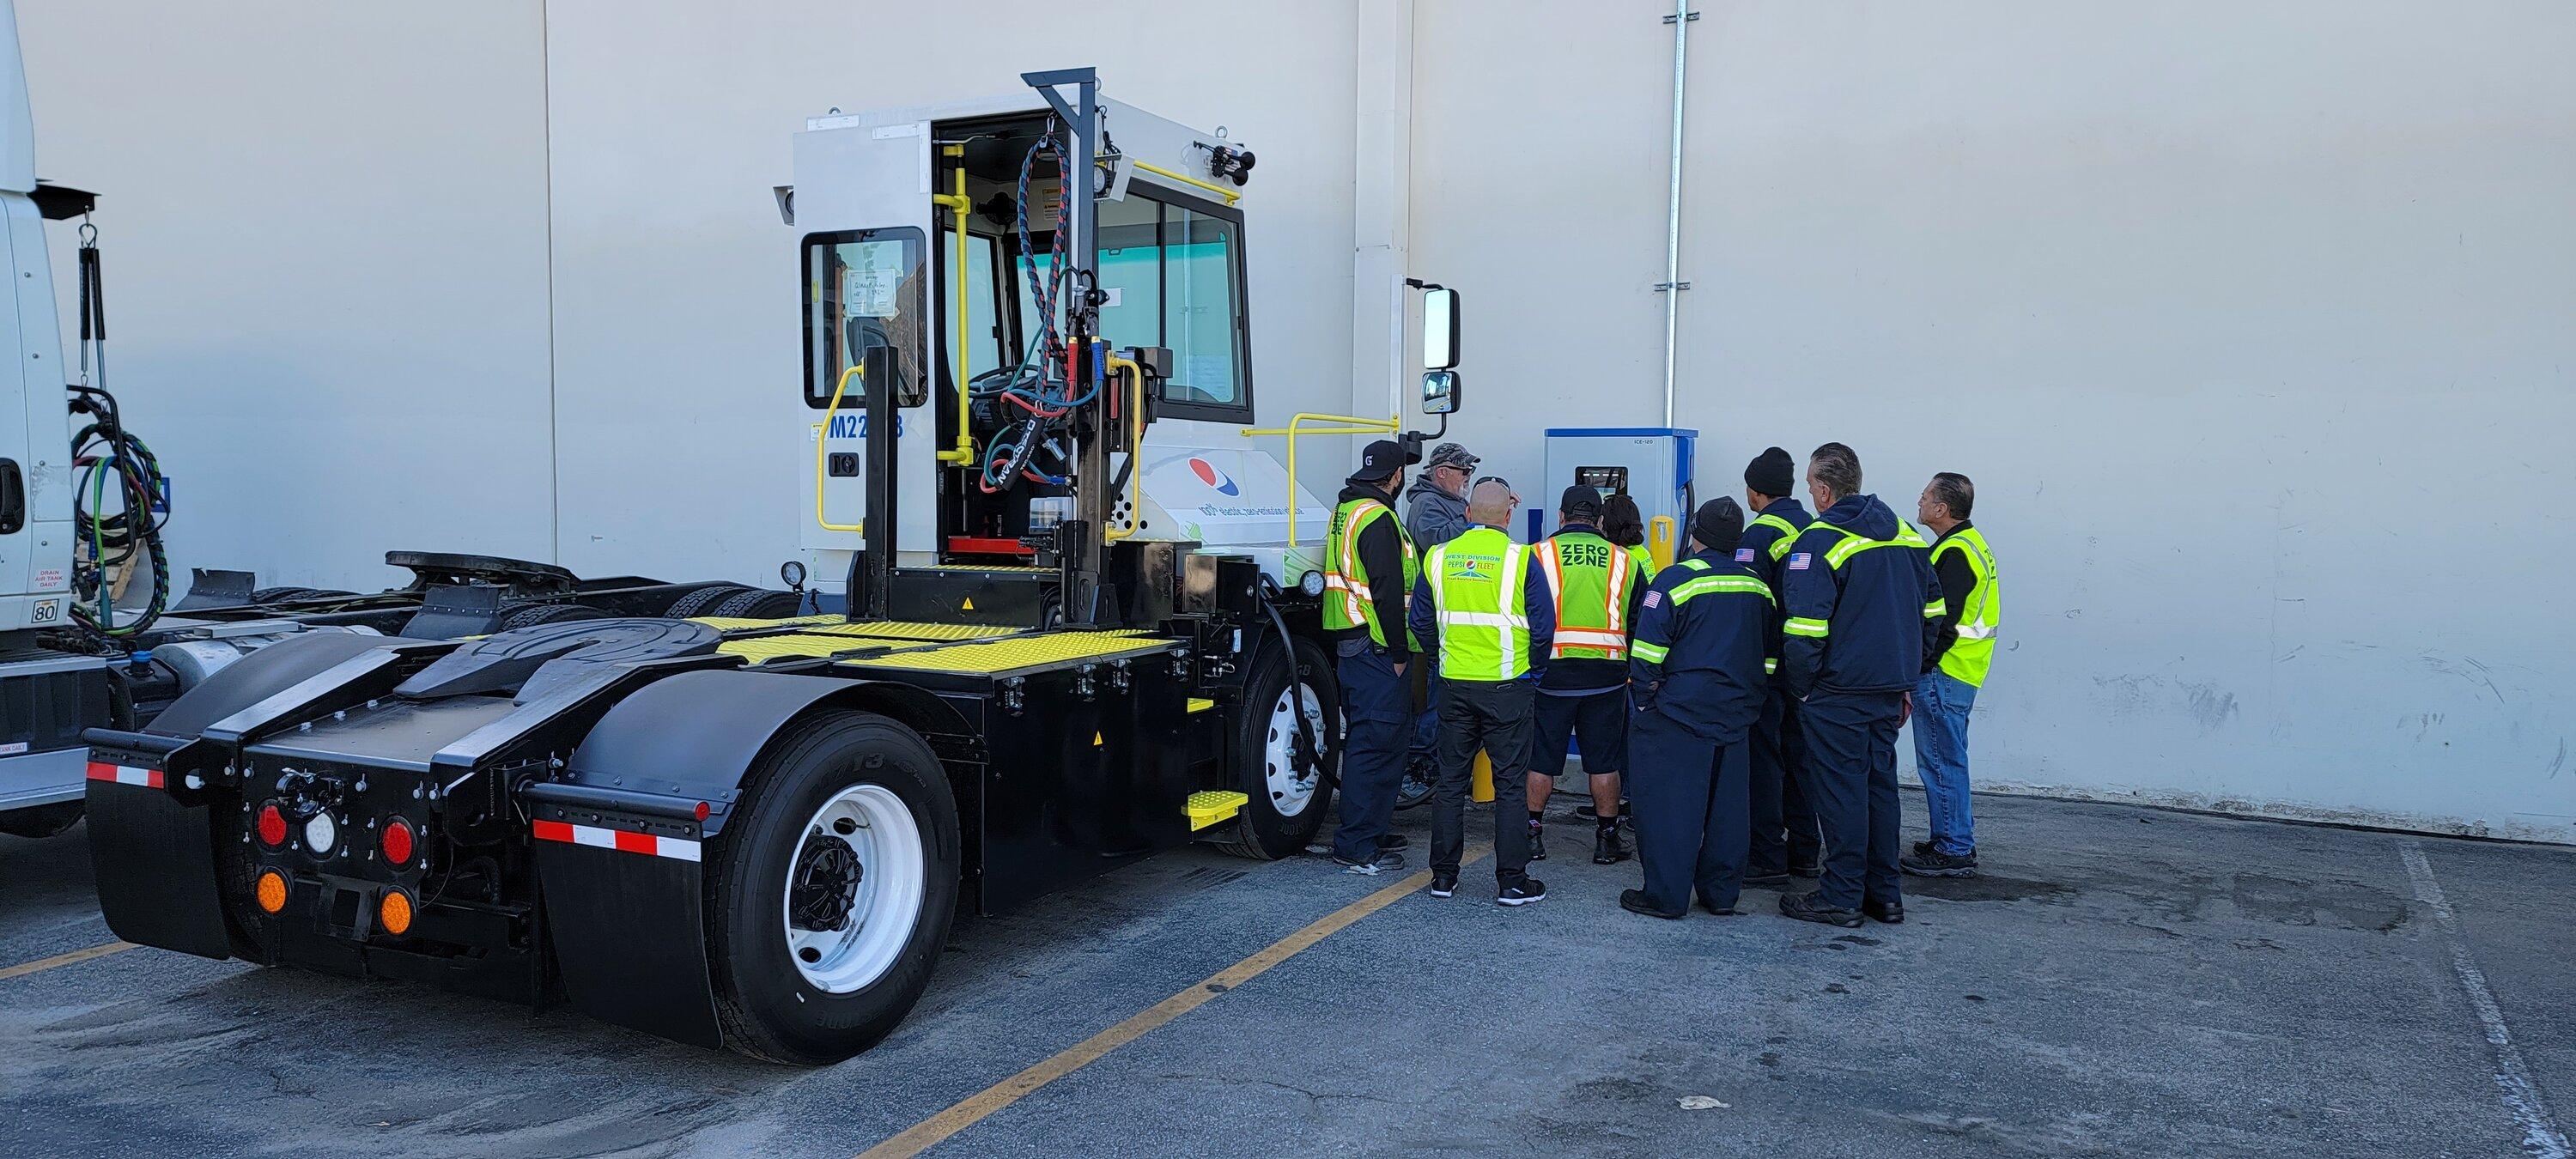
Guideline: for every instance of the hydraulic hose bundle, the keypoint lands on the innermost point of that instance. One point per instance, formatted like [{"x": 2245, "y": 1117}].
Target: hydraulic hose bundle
[
  {"x": 1031, "y": 400},
  {"x": 110, "y": 534}
]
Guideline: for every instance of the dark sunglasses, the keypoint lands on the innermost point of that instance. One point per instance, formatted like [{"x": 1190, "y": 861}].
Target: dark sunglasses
[{"x": 1507, "y": 485}]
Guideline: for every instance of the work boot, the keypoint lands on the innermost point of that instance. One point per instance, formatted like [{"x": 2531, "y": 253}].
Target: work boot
[
  {"x": 1444, "y": 883},
  {"x": 1608, "y": 848},
  {"x": 1924, "y": 846},
  {"x": 1934, "y": 863},
  {"x": 1885, "y": 912},
  {"x": 1538, "y": 842},
  {"x": 1529, "y": 890},
  {"x": 1634, "y": 901},
  {"x": 1372, "y": 867},
  {"x": 1811, "y": 907}
]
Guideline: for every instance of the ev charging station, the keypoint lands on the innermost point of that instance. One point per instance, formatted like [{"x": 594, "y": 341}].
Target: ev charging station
[{"x": 1652, "y": 465}]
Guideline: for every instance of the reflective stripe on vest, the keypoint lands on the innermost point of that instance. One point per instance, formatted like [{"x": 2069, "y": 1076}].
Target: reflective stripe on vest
[
  {"x": 1349, "y": 602},
  {"x": 1592, "y": 619},
  {"x": 1788, "y": 534},
  {"x": 1973, "y": 653},
  {"x": 1477, "y": 582}
]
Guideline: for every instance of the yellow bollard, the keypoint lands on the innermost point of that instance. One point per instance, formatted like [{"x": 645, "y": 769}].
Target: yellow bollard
[{"x": 1480, "y": 787}]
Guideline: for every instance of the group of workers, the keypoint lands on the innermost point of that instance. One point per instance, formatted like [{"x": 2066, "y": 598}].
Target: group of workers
[{"x": 1750, "y": 691}]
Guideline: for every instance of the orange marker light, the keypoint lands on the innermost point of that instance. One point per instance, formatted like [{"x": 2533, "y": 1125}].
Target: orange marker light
[
  {"x": 393, "y": 914},
  {"x": 272, "y": 891}
]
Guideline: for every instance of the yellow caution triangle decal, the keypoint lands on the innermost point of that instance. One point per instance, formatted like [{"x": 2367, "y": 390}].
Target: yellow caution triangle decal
[
  {"x": 968, "y": 606},
  {"x": 1096, "y": 740}
]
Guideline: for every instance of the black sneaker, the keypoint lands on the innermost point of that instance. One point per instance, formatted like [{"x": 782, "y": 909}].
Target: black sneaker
[
  {"x": 1767, "y": 877},
  {"x": 1538, "y": 842},
  {"x": 1634, "y": 901},
  {"x": 1885, "y": 912},
  {"x": 1394, "y": 841},
  {"x": 1934, "y": 863},
  {"x": 1808, "y": 907},
  {"x": 1443, "y": 883},
  {"x": 1608, "y": 848},
  {"x": 1529, "y": 890},
  {"x": 1372, "y": 867},
  {"x": 1923, "y": 847}
]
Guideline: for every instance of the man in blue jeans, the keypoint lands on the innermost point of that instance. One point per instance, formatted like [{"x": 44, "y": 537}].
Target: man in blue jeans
[{"x": 1953, "y": 670}]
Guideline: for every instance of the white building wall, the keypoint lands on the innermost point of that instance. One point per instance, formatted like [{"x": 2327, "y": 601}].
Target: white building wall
[
  {"x": 323, "y": 229},
  {"x": 2250, "y": 321}
]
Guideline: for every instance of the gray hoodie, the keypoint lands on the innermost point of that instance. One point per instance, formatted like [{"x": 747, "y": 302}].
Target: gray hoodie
[{"x": 1433, "y": 516}]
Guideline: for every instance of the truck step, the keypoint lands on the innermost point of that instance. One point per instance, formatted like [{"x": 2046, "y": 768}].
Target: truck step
[{"x": 1211, "y": 807}]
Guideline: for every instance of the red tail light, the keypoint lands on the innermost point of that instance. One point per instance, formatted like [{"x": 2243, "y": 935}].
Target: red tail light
[
  {"x": 272, "y": 825},
  {"x": 398, "y": 842}
]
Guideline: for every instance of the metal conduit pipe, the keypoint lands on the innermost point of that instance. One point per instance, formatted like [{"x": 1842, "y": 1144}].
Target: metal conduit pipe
[{"x": 1673, "y": 285}]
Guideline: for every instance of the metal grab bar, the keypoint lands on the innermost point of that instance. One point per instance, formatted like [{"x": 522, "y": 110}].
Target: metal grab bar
[
  {"x": 963, "y": 454},
  {"x": 1297, "y": 428}
]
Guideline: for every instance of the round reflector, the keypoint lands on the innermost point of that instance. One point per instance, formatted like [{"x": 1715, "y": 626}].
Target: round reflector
[
  {"x": 321, "y": 834},
  {"x": 398, "y": 842},
  {"x": 272, "y": 891},
  {"x": 393, "y": 914},
  {"x": 272, "y": 825}
]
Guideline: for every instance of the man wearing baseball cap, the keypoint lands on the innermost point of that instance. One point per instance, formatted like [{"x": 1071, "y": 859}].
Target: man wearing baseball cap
[
  {"x": 1785, "y": 836},
  {"x": 1369, "y": 568},
  {"x": 1435, "y": 512}
]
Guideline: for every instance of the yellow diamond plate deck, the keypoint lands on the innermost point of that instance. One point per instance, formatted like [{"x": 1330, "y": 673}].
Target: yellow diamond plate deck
[{"x": 991, "y": 656}]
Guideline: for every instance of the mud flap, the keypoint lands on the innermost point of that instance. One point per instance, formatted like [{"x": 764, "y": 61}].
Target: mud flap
[
  {"x": 621, "y": 900},
  {"x": 154, "y": 856}
]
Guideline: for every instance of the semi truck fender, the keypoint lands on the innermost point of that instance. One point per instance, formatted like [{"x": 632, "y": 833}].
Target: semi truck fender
[
  {"x": 619, "y": 838},
  {"x": 152, "y": 838}
]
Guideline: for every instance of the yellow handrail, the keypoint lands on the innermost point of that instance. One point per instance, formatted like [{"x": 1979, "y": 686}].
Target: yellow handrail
[
  {"x": 1229, "y": 195},
  {"x": 964, "y": 452},
  {"x": 824, "y": 439},
  {"x": 1135, "y": 448},
  {"x": 1296, "y": 428}
]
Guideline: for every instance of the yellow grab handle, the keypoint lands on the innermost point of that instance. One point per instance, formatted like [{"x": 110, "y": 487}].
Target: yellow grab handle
[
  {"x": 823, "y": 438},
  {"x": 1135, "y": 448},
  {"x": 1659, "y": 539}
]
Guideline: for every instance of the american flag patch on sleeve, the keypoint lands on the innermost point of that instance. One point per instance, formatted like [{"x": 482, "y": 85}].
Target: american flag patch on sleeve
[
  {"x": 1798, "y": 560},
  {"x": 1743, "y": 555},
  {"x": 1654, "y": 598}
]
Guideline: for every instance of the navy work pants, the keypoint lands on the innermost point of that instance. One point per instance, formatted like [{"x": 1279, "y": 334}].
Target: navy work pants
[
  {"x": 1851, "y": 766},
  {"x": 1689, "y": 795},
  {"x": 1784, "y": 823},
  {"x": 1377, "y": 712}
]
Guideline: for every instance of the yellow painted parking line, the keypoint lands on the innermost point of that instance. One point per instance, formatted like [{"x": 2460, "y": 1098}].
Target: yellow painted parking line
[
  {"x": 41, "y": 965},
  {"x": 938, "y": 1128}
]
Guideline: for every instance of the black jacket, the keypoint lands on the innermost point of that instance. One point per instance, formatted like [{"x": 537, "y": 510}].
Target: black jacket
[{"x": 1863, "y": 606}]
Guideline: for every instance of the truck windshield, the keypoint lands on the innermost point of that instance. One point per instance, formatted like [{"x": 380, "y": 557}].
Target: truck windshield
[{"x": 1170, "y": 275}]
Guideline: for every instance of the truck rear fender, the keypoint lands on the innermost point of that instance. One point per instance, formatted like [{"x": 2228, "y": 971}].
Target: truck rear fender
[{"x": 621, "y": 843}]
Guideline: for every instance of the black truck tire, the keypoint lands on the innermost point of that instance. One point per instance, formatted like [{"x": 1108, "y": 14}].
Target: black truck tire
[
  {"x": 769, "y": 1005},
  {"x": 535, "y": 614},
  {"x": 703, "y": 601},
  {"x": 1275, "y": 823},
  {"x": 756, "y": 604}
]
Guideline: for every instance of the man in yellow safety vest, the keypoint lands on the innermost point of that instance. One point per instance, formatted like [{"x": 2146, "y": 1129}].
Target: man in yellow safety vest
[
  {"x": 1482, "y": 605},
  {"x": 1597, "y": 587},
  {"x": 1369, "y": 569},
  {"x": 1953, "y": 671}
]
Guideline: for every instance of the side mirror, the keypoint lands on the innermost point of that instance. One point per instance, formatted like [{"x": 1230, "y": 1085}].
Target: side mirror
[
  {"x": 1440, "y": 331},
  {"x": 1440, "y": 392}
]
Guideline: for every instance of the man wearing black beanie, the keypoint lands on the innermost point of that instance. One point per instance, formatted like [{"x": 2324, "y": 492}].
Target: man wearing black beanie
[
  {"x": 1784, "y": 823},
  {"x": 1697, "y": 671}
]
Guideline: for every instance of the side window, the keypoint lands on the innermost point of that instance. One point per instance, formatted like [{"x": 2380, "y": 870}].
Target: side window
[
  {"x": 983, "y": 310},
  {"x": 1202, "y": 311},
  {"x": 865, "y": 289},
  {"x": 1131, "y": 272}
]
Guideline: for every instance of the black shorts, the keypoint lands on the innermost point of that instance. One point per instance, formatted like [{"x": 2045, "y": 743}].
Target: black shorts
[{"x": 1598, "y": 721}]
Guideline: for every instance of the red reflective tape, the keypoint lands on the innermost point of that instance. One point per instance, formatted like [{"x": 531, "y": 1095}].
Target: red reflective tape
[
  {"x": 154, "y": 779},
  {"x": 635, "y": 842},
  {"x": 99, "y": 772},
  {"x": 125, "y": 774},
  {"x": 553, "y": 831}
]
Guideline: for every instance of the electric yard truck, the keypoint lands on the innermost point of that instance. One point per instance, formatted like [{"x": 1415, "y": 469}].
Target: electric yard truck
[{"x": 1081, "y": 625}]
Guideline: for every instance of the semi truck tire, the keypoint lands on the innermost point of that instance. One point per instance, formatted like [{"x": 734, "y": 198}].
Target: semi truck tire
[
  {"x": 1286, "y": 810},
  {"x": 703, "y": 601},
  {"x": 533, "y": 615},
  {"x": 831, "y": 899},
  {"x": 757, "y": 604}
]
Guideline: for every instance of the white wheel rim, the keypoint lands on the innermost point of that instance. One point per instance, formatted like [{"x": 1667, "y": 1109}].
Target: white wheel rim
[
  {"x": 883, "y": 907},
  {"x": 1291, "y": 790}
]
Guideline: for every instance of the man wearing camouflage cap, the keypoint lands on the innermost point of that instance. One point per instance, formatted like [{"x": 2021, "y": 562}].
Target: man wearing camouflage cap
[{"x": 1435, "y": 512}]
